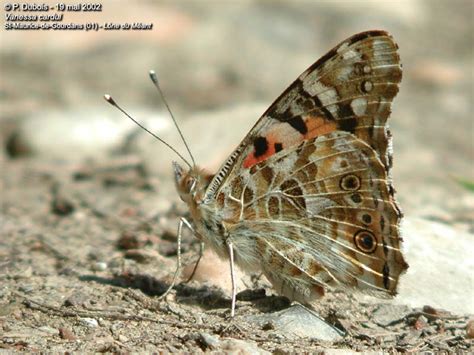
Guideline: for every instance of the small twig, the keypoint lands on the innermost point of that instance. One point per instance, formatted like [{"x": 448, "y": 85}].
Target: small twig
[{"x": 421, "y": 313}]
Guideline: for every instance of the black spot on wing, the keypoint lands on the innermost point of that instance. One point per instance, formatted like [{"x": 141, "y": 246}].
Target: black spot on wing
[
  {"x": 356, "y": 198},
  {"x": 366, "y": 218},
  {"x": 386, "y": 274},
  {"x": 278, "y": 147},
  {"x": 348, "y": 124},
  {"x": 261, "y": 146},
  {"x": 345, "y": 110},
  {"x": 298, "y": 123}
]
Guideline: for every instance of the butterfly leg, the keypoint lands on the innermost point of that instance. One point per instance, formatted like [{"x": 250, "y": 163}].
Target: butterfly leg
[
  {"x": 201, "y": 251},
  {"x": 182, "y": 222},
  {"x": 230, "y": 249}
]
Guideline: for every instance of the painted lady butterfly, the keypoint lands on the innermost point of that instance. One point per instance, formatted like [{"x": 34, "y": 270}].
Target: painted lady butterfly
[{"x": 306, "y": 198}]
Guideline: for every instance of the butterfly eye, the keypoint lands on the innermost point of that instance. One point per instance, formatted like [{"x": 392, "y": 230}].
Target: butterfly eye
[
  {"x": 190, "y": 184},
  {"x": 365, "y": 241}
]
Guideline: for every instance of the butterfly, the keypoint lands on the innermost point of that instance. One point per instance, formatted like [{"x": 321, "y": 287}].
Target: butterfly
[{"x": 306, "y": 198}]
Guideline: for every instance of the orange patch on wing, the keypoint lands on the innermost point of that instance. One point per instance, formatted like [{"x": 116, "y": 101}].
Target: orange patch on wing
[
  {"x": 318, "y": 126},
  {"x": 285, "y": 135},
  {"x": 251, "y": 159}
]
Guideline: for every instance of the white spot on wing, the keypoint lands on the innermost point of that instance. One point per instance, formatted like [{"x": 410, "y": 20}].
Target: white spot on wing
[
  {"x": 368, "y": 86},
  {"x": 351, "y": 54},
  {"x": 327, "y": 95},
  {"x": 359, "y": 106}
]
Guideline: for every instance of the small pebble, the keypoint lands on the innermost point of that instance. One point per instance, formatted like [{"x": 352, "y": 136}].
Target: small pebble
[
  {"x": 268, "y": 326},
  {"x": 66, "y": 333},
  {"x": 90, "y": 322},
  {"x": 76, "y": 299},
  {"x": 386, "y": 313},
  {"x": 420, "y": 323},
  {"x": 209, "y": 341},
  {"x": 99, "y": 266},
  {"x": 61, "y": 206}
]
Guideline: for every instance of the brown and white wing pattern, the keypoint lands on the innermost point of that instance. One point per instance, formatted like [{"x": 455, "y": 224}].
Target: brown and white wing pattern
[
  {"x": 307, "y": 194},
  {"x": 351, "y": 88},
  {"x": 320, "y": 215}
]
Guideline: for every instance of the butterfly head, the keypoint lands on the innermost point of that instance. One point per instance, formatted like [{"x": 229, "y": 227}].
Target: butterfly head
[{"x": 190, "y": 184}]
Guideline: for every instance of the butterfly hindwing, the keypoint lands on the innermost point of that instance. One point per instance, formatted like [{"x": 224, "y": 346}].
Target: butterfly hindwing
[{"x": 321, "y": 216}]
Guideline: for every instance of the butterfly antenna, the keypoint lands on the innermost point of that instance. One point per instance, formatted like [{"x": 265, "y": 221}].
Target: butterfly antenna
[
  {"x": 154, "y": 79},
  {"x": 111, "y": 101}
]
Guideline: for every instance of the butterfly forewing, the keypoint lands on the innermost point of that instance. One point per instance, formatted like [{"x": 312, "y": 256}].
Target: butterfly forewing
[{"x": 350, "y": 88}]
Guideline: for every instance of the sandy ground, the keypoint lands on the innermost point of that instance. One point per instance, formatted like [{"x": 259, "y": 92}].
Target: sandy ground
[{"x": 88, "y": 217}]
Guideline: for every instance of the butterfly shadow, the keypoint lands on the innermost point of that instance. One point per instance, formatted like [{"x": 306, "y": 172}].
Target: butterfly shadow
[
  {"x": 204, "y": 296},
  {"x": 211, "y": 297},
  {"x": 187, "y": 293},
  {"x": 144, "y": 282}
]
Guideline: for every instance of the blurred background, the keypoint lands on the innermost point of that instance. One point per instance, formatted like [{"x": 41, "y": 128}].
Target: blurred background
[
  {"x": 220, "y": 65},
  {"x": 239, "y": 56}
]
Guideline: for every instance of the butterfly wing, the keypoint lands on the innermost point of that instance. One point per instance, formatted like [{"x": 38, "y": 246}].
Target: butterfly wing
[
  {"x": 321, "y": 215},
  {"x": 350, "y": 89},
  {"x": 310, "y": 183}
]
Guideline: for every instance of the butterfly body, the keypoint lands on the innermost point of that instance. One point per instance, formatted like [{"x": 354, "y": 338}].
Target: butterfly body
[
  {"x": 212, "y": 226},
  {"x": 307, "y": 198}
]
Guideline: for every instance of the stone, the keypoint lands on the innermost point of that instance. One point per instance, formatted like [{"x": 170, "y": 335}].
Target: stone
[
  {"x": 297, "y": 321},
  {"x": 76, "y": 299},
  {"x": 66, "y": 333},
  {"x": 90, "y": 322},
  {"x": 209, "y": 341},
  {"x": 387, "y": 313}
]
